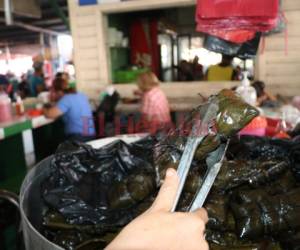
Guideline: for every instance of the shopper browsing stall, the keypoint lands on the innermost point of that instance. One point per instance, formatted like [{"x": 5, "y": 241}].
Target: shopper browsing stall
[
  {"x": 75, "y": 110},
  {"x": 223, "y": 71},
  {"x": 37, "y": 82},
  {"x": 154, "y": 103},
  {"x": 263, "y": 97}
]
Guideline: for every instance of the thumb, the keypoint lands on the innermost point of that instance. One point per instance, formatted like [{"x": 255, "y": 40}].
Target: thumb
[{"x": 167, "y": 192}]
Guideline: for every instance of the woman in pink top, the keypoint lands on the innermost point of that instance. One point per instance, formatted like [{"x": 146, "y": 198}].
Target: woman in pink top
[{"x": 154, "y": 104}]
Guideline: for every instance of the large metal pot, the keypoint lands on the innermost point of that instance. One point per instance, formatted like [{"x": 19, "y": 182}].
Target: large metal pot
[{"x": 32, "y": 205}]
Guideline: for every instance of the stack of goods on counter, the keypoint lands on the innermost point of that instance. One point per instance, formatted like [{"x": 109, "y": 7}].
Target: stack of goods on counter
[
  {"x": 5, "y": 108},
  {"x": 255, "y": 201},
  {"x": 234, "y": 27},
  {"x": 91, "y": 194}
]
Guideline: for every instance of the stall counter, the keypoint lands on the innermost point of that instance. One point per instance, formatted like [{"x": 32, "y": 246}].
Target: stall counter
[
  {"x": 23, "y": 141},
  {"x": 24, "y": 125},
  {"x": 20, "y": 124}
]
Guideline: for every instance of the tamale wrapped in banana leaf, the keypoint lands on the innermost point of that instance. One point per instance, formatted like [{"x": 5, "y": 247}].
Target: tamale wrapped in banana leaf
[
  {"x": 253, "y": 148},
  {"x": 217, "y": 211},
  {"x": 131, "y": 191},
  {"x": 209, "y": 144},
  {"x": 194, "y": 179},
  {"x": 290, "y": 240},
  {"x": 294, "y": 155},
  {"x": 233, "y": 114},
  {"x": 262, "y": 189},
  {"x": 228, "y": 241},
  {"x": 262, "y": 246},
  {"x": 238, "y": 173},
  {"x": 263, "y": 214}
]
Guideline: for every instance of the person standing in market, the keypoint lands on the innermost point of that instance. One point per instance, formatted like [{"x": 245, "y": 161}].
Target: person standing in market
[
  {"x": 223, "y": 71},
  {"x": 36, "y": 81},
  {"x": 154, "y": 107},
  {"x": 197, "y": 69},
  {"x": 3, "y": 84},
  {"x": 23, "y": 87},
  {"x": 75, "y": 110},
  {"x": 263, "y": 97},
  {"x": 185, "y": 71}
]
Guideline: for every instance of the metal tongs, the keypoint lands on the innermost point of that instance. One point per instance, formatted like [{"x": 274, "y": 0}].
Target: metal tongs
[{"x": 199, "y": 131}]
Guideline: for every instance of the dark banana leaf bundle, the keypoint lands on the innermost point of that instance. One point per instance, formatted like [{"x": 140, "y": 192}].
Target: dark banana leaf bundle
[
  {"x": 258, "y": 214},
  {"x": 229, "y": 240},
  {"x": 266, "y": 245},
  {"x": 261, "y": 196},
  {"x": 85, "y": 237},
  {"x": 290, "y": 240},
  {"x": 220, "y": 206},
  {"x": 253, "y": 148},
  {"x": 233, "y": 114},
  {"x": 248, "y": 173},
  {"x": 92, "y": 193},
  {"x": 254, "y": 199}
]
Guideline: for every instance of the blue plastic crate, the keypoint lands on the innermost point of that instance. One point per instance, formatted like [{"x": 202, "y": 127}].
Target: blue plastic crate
[{"x": 87, "y": 2}]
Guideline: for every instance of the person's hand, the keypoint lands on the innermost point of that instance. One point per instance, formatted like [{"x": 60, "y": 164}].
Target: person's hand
[
  {"x": 261, "y": 99},
  {"x": 52, "y": 112},
  {"x": 159, "y": 229}
]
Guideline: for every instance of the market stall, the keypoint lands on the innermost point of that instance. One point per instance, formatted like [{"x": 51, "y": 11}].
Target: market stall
[
  {"x": 230, "y": 129},
  {"x": 277, "y": 60}
]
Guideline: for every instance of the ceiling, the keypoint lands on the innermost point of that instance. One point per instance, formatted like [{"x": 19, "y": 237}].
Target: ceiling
[{"x": 54, "y": 17}]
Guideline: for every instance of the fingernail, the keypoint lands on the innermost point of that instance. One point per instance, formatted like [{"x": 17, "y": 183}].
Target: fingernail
[{"x": 171, "y": 172}]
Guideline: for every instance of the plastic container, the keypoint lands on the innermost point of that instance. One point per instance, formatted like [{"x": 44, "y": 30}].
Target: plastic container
[
  {"x": 19, "y": 106},
  {"x": 257, "y": 127},
  {"x": 290, "y": 115},
  {"x": 5, "y": 108},
  {"x": 246, "y": 91},
  {"x": 128, "y": 76},
  {"x": 44, "y": 97}
]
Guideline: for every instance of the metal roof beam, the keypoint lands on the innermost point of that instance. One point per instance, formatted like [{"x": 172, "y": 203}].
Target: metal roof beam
[
  {"x": 58, "y": 10},
  {"x": 35, "y": 28},
  {"x": 47, "y": 21}
]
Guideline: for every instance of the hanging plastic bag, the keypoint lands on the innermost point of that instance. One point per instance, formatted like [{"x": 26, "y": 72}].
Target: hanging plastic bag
[
  {"x": 281, "y": 24},
  {"x": 236, "y": 8},
  {"x": 238, "y": 36},
  {"x": 236, "y": 21},
  {"x": 243, "y": 51},
  {"x": 82, "y": 177}
]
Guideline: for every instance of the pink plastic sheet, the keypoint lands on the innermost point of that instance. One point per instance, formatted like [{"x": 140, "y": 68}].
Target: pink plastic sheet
[{"x": 236, "y": 20}]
